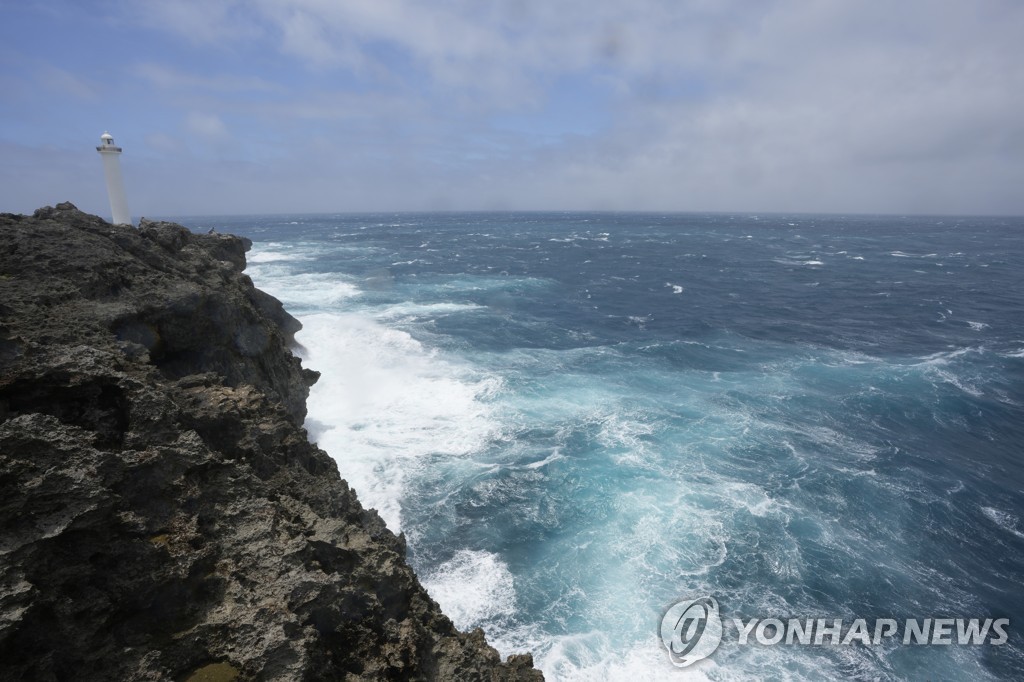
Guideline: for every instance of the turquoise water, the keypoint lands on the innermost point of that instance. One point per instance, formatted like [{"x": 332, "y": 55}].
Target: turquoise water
[{"x": 578, "y": 419}]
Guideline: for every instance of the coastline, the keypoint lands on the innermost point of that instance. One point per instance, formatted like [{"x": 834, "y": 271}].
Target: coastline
[{"x": 165, "y": 515}]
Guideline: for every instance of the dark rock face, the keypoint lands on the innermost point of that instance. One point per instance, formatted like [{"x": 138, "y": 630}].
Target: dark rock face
[{"x": 162, "y": 513}]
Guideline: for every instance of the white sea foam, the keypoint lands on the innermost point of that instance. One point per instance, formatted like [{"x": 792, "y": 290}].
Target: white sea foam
[
  {"x": 314, "y": 290},
  {"x": 938, "y": 367},
  {"x": 595, "y": 656},
  {"x": 270, "y": 256},
  {"x": 473, "y": 588},
  {"x": 753, "y": 498},
  {"x": 555, "y": 455},
  {"x": 943, "y": 357},
  {"x": 384, "y": 400},
  {"x": 977, "y": 326},
  {"x": 676, "y": 289},
  {"x": 626, "y": 432},
  {"x": 959, "y": 382},
  {"x": 1003, "y": 519},
  {"x": 409, "y": 309}
]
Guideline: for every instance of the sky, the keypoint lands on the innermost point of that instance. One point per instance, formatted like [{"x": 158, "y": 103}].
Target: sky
[{"x": 300, "y": 106}]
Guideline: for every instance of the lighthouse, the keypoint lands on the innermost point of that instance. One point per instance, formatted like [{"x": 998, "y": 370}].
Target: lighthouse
[{"x": 115, "y": 184}]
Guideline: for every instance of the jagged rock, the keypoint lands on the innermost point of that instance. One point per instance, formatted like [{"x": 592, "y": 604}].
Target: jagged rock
[{"x": 162, "y": 513}]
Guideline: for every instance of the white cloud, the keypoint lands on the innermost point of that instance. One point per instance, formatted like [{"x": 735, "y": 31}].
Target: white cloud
[
  {"x": 165, "y": 77},
  {"x": 68, "y": 83},
  {"x": 213, "y": 22},
  {"x": 786, "y": 105},
  {"x": 163, "y": 143},
  {"x": 205, "y": 125}
]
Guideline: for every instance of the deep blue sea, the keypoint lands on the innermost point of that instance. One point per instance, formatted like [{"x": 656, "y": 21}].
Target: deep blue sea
[{"x": 579, "y": 418}]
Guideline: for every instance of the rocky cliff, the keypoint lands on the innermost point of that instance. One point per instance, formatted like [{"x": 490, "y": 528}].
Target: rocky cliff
[{"x": 162, "y": 513}]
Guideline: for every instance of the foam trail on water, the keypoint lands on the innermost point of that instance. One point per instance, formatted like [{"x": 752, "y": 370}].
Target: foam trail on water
[
  {"x": 409, "y": 310},
  {"x": 270, "y": 256},
  {"x": 473, "y": 588},
  {"x": 596, "y": 656},
  {"x": 303, "y": 291},
  {"x": 384, "y": 400}
]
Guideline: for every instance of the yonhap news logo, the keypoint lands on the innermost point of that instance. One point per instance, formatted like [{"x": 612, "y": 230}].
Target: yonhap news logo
[{"x": 693, "y": 629}]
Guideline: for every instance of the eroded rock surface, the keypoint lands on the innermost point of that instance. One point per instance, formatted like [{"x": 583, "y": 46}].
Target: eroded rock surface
[{"x": 162, "y": 513}]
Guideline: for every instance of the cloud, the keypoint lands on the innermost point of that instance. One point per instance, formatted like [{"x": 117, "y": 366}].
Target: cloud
[
  {"x": 68, "y": 83},
  {"x": 163, "y": 143},
  {"x": 205, "y": 125},
  {"x": 208, "y": 22},
  {"x": 819, "y": 107},
  {"x": 169, "y": 78},
  {"x": 698, "y": 104}
]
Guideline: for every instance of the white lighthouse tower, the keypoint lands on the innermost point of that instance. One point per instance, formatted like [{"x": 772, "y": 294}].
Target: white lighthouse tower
[{"x": 115, "y": 184}]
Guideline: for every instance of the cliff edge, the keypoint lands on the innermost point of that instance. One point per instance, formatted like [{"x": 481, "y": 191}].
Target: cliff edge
[{"x": 162, "y": 513}]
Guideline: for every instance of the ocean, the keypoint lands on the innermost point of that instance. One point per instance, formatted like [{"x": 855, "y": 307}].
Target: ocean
[{"x": 580, "y": 419}]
